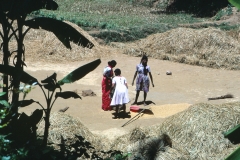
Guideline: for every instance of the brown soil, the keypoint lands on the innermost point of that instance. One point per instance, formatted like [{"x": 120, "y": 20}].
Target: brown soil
[{"x": 172, "y": 93}]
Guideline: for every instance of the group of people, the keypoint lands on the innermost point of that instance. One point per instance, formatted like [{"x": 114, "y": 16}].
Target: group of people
[{"x": 115, "y": 88}]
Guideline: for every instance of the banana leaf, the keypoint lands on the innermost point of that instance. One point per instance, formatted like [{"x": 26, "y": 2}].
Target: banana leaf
[
  {"x": 234, "y": 155},
  {"x": 233, "y": 134},
  {"x": 67, "y": 94},
  {"x": 17, "y": 8},
  {"x": 50, "y": 78},
  {"x": 80, "y": 72},
  {"x": 235, "y": 3},
  {"x": 4, "y": 103},
  {"x": 19, "y": 74},
  {"x": 36, "y": 116},
  {"x": 2, "y": 93},
  {"x": 25, "y": 103},
  {"x": 63, "y": 31}
]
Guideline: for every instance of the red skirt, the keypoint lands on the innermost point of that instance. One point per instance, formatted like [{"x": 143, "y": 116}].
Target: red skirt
[{"x": 106, "y": 88}]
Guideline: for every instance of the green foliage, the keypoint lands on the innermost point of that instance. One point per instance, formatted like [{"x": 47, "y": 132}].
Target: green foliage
[
  {"x": 79, "y": 72},
  {"x": 4, "y": 111},
  {"x": 200, "y": 8},
  {"x": 9, "y": 153},
  {"x": 117, "y": 21},
  {"x": 224, "y": 12},
  {"x": 236, "y": 3}
]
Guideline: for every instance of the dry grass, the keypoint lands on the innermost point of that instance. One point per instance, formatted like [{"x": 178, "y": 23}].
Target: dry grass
[
  {"x": 41, "y": 45},
  {"x": 204, "y": 47},
  {"x": 195, "y": 133},
  {"x": 47, "y": 47},
  {"x": 66, "y": 126}
]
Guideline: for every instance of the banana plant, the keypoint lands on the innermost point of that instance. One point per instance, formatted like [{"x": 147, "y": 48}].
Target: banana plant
[
  {"x": 18, "y": 11},
  {"x": 49, "y": 87}
]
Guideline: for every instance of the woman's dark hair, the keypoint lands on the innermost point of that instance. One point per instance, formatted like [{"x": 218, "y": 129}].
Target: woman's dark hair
[
  {"x": 117, "y": 72},
  {"x": 144, "y": 57},
  {"x": 112, "y": 63},
  {"x": 145, "y": 65}
]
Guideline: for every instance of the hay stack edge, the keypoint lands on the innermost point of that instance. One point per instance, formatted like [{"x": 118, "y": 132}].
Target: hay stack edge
[{"x": 196, "y": 133}]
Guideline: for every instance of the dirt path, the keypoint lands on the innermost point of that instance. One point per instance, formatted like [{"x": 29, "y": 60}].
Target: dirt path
[{"x": 172, "y": 93}]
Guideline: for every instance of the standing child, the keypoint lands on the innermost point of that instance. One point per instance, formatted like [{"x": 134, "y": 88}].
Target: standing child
[
  {"x": 142, "y": 82},
  {"x": 120, "y": 96}
]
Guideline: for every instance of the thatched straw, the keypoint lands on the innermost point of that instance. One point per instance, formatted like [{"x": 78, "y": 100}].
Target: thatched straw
[
  {"x": 204, "y": 47},
  {"x": 195, "y": 133},
  {"x": 66, "y": 126}
]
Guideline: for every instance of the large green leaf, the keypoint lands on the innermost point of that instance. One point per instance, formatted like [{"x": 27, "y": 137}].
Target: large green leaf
[
  {"x": 2, "y": 93},
  {"x": 80, "y": 72},
  {"x": 63, "y": 31},
  {"x": 4, "y": 103},
  {"x": 234, "y": 155},
  {"x": 18, "y": 8},
  {"x": 236, "y": 3},
  {"x": 19, "y": 74}
]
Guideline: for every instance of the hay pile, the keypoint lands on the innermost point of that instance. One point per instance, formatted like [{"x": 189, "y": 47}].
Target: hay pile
[
  {"x": 204, "y": 47},
  {"x": 45, "y": 46},
  {"x": 195, "y": 133},
  {"x": 66, "y": 126}
]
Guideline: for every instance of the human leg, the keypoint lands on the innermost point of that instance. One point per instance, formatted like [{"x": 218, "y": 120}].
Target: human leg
[
  {"x": 117, "y": 111},
  {"x": 144, "y": 98},
  {"x": 124, "y": 107},
  {"x": 136, "y": 98}
]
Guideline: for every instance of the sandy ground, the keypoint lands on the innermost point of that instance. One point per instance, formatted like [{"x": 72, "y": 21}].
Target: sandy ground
[{"x": 172, "y": 93}]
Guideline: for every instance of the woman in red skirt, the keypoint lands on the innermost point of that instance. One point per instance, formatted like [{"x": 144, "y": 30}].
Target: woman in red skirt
[{"x": 107, "y": 84}]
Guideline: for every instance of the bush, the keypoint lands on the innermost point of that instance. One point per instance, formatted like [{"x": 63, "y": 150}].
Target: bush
[{"x": 200, "y": 8}]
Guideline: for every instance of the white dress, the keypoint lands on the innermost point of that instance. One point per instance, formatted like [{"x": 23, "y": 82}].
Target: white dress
[{"x": 120, "y": 95}]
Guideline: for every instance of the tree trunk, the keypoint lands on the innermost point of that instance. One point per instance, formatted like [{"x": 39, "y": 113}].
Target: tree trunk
[
  {"x": 6, "y": 54},
  {"x": 19, "y": 64}
]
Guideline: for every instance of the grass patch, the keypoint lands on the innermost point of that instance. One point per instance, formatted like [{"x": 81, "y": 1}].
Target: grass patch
[{"x": 116, "y": 21}]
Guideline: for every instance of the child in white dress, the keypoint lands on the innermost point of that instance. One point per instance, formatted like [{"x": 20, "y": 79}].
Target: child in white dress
[{"x": 120, "y": 96}]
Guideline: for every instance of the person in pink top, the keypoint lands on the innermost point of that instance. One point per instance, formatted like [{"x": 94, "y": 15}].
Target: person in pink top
[
  {"x": 120, "y": 97},
  {"x": 142, "y": 81},
  {"x": 107, "y": 84}
]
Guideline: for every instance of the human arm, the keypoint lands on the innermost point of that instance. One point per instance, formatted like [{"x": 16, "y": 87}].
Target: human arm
[
  {"x": 150, "y": 75},
  {"x": 126, "y": 85},
  {"x": 113, "y": 85},
  {"x": 134, "y": 77}
]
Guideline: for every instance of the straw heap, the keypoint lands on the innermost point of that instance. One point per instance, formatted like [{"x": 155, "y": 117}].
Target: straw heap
[
  {"x": 66, "y": 126},
  {"x": 195, "y": 133},
  {"x": 204, "y": 47}
]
